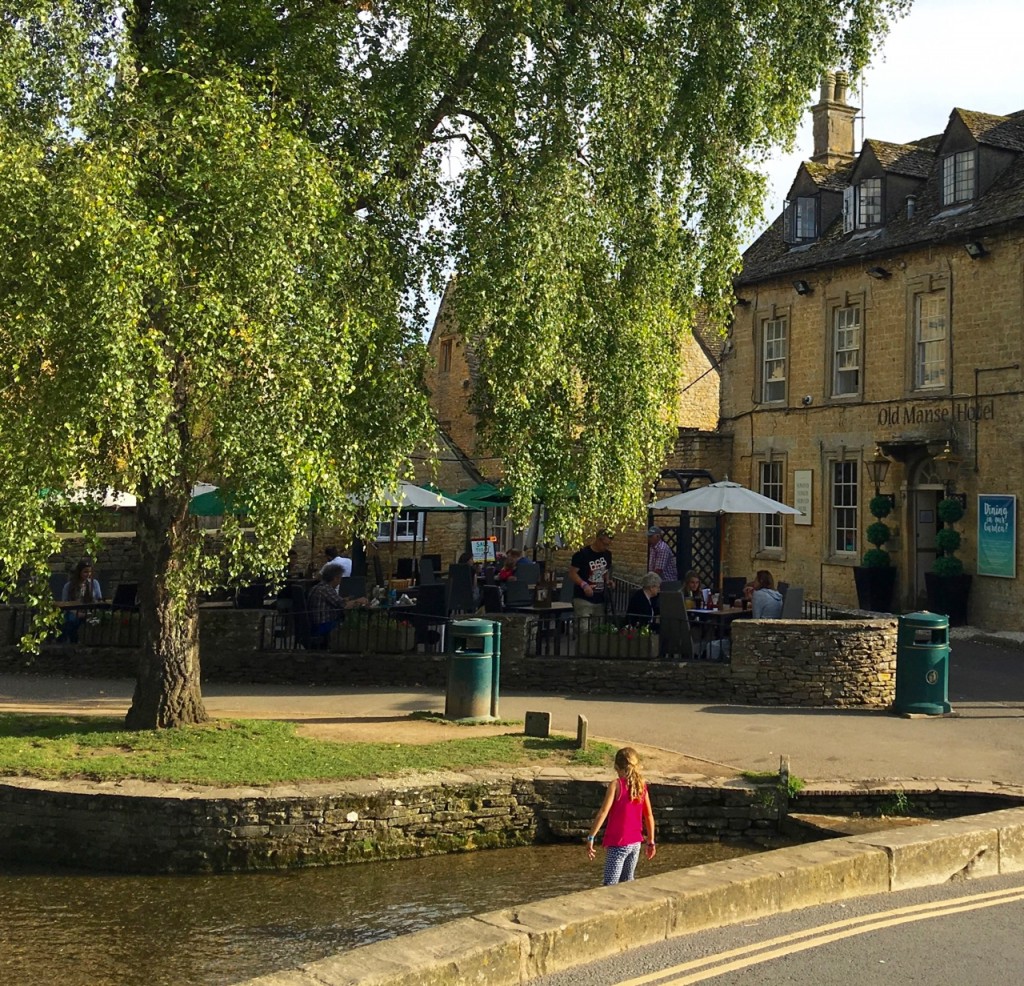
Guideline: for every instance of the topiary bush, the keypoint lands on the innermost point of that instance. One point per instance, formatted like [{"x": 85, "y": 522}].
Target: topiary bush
[
  {"x": 947, "y": 540},
  {"x": 878, "y": 534}
]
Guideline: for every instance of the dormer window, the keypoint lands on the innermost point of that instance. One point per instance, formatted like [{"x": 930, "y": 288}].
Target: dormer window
[
  {"x": 801, "y": 219},
  {"x": 862, "y": 205},
  {"x": 958, "y": 177}
]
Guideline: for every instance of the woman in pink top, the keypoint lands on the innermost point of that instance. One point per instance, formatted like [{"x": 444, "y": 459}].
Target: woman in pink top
[{"x": 627, "y": 806}]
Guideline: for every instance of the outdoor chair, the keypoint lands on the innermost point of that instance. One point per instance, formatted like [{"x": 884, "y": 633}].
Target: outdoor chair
[
  {"x": 793, "y": 604},
  {"x": 428, "y": 615},
  {"x": 302, "y": 628},
  {"x": 490, "y": 596},
  {"x": 528, "y": 572},
  {"x": 352, "y": 587},
  {"x": 251, "y": 596},
  {"x": 126, "y": 596},
  {"x": 676, "y": 643},
  {"x": 567, "y": 590},
  {"x": 732, "y": 587},
  {"x": 460, "y": 587},
  {"x": 57, "y": 582},
  {"x": 434, "y": 560},
  {"x": 428, "y": 571},
  {"x": 518, "y": 593}
]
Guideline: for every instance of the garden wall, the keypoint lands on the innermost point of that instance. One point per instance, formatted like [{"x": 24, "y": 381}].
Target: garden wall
[{"x": 815, "y": 663}]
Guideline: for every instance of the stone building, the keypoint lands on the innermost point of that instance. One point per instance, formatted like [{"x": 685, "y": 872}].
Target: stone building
[
  {"x": 450, "y": 381},
  {"x": 885, "y": 308}
]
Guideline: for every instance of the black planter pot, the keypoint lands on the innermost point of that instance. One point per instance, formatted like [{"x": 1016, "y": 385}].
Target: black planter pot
[
  {"x": 875, "y": 588},
  {"x": 949, "y": 594}
]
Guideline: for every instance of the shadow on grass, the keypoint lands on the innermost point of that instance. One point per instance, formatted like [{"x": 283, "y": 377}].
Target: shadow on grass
[{"x": 54, "y": 727}]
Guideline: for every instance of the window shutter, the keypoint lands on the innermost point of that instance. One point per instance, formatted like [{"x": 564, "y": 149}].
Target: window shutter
[{"x": 789, "y": 222}]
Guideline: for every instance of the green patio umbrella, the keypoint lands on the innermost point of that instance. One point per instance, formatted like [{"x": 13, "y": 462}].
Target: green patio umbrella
[{"x": 213, "y": 501}]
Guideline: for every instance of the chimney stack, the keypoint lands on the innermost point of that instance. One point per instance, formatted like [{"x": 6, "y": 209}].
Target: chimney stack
[{"x": 833, "y": 121}]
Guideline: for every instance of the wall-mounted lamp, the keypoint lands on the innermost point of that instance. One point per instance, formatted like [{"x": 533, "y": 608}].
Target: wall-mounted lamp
[
  {"x": 879, "y": 273},
  {"x": 975, "y": 249},
  {"x": 948, "y": 462},
  {"x": 877, "y": 468},
  {"x": 802, "y": 287}
]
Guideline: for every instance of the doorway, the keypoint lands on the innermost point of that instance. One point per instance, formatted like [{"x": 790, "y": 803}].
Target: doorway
[{"x": 925, "y": 491}]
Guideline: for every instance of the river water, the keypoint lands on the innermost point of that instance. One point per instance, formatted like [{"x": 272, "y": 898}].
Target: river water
[{"x": 77, "y": 928}]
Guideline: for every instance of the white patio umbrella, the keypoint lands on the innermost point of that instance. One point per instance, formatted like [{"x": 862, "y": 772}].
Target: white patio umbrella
[
  {"x": 409, "y": 496},
  {"x": 108, "y": 497},
  {"x": 412, "y": 497},
  {"x": 724, "y": 498}
]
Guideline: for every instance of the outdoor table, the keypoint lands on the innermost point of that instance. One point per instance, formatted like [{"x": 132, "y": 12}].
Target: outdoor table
[
  {"x": 547, "y": 620},
  {"x": 715, "y": 624}
]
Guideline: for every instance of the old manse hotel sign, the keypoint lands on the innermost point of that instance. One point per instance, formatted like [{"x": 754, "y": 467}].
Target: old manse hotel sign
[{"x": 923, "y": 414}]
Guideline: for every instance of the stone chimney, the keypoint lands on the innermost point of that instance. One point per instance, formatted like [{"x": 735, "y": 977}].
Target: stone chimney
[{"x": 833, "y": 121}]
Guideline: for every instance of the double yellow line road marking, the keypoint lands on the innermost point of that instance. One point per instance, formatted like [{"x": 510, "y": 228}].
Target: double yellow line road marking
[{"x": 698, "y": 970}]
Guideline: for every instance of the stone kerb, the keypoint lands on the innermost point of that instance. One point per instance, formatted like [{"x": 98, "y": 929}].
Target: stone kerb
[{"x": 513, "y": 946}]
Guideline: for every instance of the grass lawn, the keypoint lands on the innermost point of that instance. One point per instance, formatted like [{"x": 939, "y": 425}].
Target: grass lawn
[{"x": 251, "y": 752}]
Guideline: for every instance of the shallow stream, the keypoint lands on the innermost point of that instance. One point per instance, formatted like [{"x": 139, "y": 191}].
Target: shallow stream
[{"x": 80, "y": 928}]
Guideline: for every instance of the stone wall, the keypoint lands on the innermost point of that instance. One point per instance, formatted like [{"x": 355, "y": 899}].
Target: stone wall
[
  {"x": 137, "y": 827},
  {"x": 835, "y": 663}
]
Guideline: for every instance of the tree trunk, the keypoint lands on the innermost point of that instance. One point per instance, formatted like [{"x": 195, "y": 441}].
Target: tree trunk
[{"x": 167, "y": 688}]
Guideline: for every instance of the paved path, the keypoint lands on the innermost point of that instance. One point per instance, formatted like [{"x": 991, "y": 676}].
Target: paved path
[{"x": 984, "y": 742}]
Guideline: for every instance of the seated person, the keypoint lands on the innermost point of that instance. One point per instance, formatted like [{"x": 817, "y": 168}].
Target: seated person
[
  {"x": 766, "y": 600},
  {"x": 466, "y": 558},
  {"x": 326, "y": 606},
  {"x": 642, "y": 610},
  {"x": 80, "y": 588},
  {"x": 693, "y": 594},
  {"x": 507, "y": 572}
]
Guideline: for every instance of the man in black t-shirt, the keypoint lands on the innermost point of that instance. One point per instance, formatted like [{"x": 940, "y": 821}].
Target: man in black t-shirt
[{"x": 590, "y": 571}]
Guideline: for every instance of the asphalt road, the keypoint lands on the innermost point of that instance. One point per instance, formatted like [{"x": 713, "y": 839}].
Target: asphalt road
[{"x": 957, "y": 934}]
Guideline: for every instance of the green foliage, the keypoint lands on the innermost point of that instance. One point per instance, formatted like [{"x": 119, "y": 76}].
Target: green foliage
[
  {"x": 950, "y": 510},
  {"x": 878, "y": 534},
  {"x": 948, "y": 540},
  {"x": 876, "y": 558},
  {"x": 948, "y": 565},
  {"x": 251, "y": 752},
  {"x": 880, "y": 507},
  {"x": 221, "y": 223}
]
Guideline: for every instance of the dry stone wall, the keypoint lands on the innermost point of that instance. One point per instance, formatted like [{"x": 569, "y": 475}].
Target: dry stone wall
[{"x": 811, "y": 663}]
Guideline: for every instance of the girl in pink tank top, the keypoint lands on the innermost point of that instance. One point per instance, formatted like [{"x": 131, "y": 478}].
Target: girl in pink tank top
[{"x": 627, "y": 806}]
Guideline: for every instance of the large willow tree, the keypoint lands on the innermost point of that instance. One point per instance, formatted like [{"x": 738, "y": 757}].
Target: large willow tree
[{"x": 217, "y": 222}]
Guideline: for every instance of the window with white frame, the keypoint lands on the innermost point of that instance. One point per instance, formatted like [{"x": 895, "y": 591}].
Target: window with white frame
[
  {"x": 408, "y": 525},
  {"x": 931, "y": 340},
  {"x": 862, "y": 205},
  {"x": 844, "y": 507},
  {"x": 773, "y": 359},
  {"x": 958, "y": 177},
  {"x": 846, "y": 349},
  {"x": 771, "y": 524}
]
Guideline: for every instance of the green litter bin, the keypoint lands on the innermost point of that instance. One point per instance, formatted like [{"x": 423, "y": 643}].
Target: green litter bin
[
  {"x": 922, "y": 664},
  {"x": 473, "y": 670}
]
